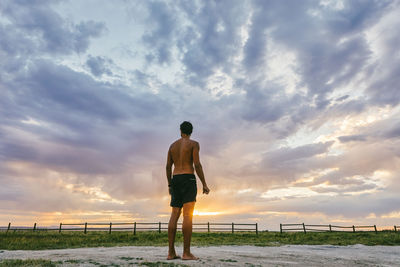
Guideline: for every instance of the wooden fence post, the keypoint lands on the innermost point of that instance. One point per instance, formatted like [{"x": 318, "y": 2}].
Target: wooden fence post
[
  {"x": 304, "y": 228},
  {"x": 354, "y": 229},
  {"x": 110, "y": 228},
  {"x": 59, "y": 230},
  {"x": 85, "y": 228},
  {"x": 280, "y": 227},
  {"x": 330, "y": 228},
  {"x": 34, "y": 227},
  {"x": 256, "y": 228},
  {"x": 395, "y": 228},
  {"x": 375, "y": 229},
  {"x": 159, "y": 227},
  {"x": 233, "y": 228},
  {"x": 134, "y": 228},
  {"x": 208, "y": 226},
  {"x": 9, "y": 226}
]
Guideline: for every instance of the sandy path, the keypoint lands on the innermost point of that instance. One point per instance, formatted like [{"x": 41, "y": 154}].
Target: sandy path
[{"x": 357, "y": 255}]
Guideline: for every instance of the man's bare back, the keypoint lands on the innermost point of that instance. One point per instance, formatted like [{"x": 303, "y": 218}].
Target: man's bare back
[{"x": 182, "y": 155}]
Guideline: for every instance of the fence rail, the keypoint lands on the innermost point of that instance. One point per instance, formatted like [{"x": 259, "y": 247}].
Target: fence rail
[
  {"x": 136, "y": 227},
  {"x": 197, "y": 227},
  {"x": 326, "y": 228}
]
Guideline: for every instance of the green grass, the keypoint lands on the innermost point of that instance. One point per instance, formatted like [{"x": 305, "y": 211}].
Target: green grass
[
  {"x": 54, "y": 240},
  {"x": 162, "y": 264},
  {"x": 228, "y": 260},
  {"x": 130, "y": 258},
  {"x": 48, "y": 263},
  {"x": 29, "y": 262}
]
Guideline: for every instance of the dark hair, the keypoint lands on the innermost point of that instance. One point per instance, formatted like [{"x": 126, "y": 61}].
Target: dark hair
[{"x": 186, "y": 127}]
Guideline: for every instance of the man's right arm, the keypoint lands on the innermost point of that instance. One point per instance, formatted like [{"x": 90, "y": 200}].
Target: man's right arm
[
  {"x": 169, "y": 168},
  {"x": 199, "y": 168}
]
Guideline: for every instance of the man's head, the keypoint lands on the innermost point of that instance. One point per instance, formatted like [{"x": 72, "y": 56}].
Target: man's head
[{"x": 186, "y": 128}]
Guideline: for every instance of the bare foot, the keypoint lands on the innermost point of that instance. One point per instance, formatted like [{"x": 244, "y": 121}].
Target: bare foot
[
  {"x": 189, "y": 256},
  {"x": 173, "y": 257}
]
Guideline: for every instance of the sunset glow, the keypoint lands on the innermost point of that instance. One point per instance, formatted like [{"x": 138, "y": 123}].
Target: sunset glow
[{"x": 206, "y": 213}]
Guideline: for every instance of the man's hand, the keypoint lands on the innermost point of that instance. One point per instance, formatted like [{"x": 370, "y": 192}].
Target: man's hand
[
  {"x": 170, "y": 190},
  {"x": 206, "y": 190}
]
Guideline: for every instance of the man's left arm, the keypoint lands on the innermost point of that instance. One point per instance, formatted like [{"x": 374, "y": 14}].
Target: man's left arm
[{"x": 199, "y": 168}]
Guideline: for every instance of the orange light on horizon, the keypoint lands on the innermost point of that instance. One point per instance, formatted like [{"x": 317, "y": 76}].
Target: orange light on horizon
[{"x": 206, "y": 213}]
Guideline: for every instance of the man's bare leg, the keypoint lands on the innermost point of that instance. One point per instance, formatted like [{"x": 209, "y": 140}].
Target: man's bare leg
[
  {"x": 187, "y": 230},
  {"x": 172, "y": 225}
]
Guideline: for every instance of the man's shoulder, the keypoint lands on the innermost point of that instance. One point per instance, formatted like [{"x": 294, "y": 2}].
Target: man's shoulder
[
  {"x": 173, "y": 144},
  {"x": 194, "y": 143}
]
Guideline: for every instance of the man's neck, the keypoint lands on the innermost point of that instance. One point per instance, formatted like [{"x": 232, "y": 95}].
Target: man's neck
[{"x": 185, "y": 136}]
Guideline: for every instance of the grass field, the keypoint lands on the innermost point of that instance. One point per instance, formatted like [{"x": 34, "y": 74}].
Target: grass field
[
  {"x": 53, "y": 240},
  {"x": 48, "y": 263},
  {"x": 30, "y": 263}
]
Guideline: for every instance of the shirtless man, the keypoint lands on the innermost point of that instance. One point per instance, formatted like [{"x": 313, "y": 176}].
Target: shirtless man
[{"x": 183, "y": 154}]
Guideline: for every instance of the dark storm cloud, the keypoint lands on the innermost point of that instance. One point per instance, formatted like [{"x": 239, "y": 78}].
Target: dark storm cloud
[
  {"x": 261, "y": 105},
  {"x": 287, "y": 164},
  {"x": 378, "y": 131},
  {"x": 393, "y": 132},
  {"x": 342, "y": 178},
  {"x": 255, "y": 49},
  {"x": 98, "y": 65},
  {"x": 322, "y": 53},
  {"x": 348, "y": 188},
  {"x": 266, "y": 102},
  {"x": 342, "y": 98},
  {"x": 290, "y": 163},
  {"x": 59, "y": 89},
  {"x": 88, "y": 114},
  {"x": 384, "y": 87},
  {"x": 65, "y": 89},
  {"x": 317, "y": 118},
  {"x": 15, "y": 151},
  {"x": 355, "y": 16},
  {"x": 159, "y": 39},
  {"x": 37, "y": 25},
  {"x": 350, "y": 138},
  {"x": 212, "y": 39},
  {"x": 386, "y": 90},
  {"x": 292, "y": 154}
]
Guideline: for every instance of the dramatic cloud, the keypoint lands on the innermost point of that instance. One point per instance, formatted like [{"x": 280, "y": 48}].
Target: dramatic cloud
[
  {"x": 295, "y": 105},
  {"x": 98, "y": 65}
]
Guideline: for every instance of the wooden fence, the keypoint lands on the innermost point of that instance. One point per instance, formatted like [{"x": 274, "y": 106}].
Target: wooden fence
[
  {"x": 137, "y": 226},
  {"x": 326, "y": 228}
]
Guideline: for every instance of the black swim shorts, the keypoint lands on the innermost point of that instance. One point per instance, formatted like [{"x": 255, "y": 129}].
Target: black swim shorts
[{"x": 183, "y": 189}]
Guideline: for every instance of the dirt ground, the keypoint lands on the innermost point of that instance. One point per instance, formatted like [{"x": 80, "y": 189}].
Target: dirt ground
[{"x": 290, "y": 255}]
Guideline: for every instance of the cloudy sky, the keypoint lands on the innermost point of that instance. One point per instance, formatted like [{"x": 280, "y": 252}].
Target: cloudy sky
[{"x": 295, "y": 105}]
